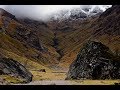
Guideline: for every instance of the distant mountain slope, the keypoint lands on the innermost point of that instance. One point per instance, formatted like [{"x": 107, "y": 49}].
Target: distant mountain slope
[{"x": 72, "y": 34}]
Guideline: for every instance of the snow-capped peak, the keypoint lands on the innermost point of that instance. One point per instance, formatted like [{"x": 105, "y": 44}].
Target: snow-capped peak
[{"x": 79, "y": 13}]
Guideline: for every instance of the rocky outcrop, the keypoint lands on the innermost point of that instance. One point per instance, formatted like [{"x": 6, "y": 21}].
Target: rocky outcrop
[
  {"x": 94, "y": 61},
  {"x": 28, "y": 36},
  {"x": 15, "y": 69}
]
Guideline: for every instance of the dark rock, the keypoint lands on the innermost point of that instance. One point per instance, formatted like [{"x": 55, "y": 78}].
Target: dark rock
[
  {"x": 15, "y": 69},
  {"x": 42, "y": 70},
  {"x": 116, "y": 83},
  {"x": 95, "y": 61}
]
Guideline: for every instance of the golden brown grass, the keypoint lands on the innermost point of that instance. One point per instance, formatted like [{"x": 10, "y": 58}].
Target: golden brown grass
[
  {"x": 58, "y": 78},
  {"x": 48, "y": 75},
  {"x": 94, "y": 82},
  {"x": 11, "y": 79},
  {"x": 30, "y": 63}
]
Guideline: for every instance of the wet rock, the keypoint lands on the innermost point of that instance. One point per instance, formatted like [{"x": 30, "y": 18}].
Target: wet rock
[
  {"x": 94, "y": 61},
  {"x": 15, "y": 69}
]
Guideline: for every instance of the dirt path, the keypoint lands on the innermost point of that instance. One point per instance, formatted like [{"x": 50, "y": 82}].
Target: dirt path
[{"x": 73, "y": 82}]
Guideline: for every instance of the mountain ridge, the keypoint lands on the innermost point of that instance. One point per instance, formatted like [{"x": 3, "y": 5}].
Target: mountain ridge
[{"x": 77, "y": 13}]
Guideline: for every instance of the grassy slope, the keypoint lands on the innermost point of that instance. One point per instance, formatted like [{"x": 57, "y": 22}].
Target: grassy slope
[
  {"x": 71, "y": 42},
  {"x": 13, "y": 48},
  {"x": 14, "y": 45}
]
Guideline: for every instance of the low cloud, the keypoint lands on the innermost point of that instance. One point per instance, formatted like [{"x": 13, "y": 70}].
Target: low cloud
[{"x": 41, "y": 12}]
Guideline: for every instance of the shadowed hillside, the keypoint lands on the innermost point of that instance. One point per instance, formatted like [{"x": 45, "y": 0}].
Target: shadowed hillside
[{"x": 26, "y": 40}]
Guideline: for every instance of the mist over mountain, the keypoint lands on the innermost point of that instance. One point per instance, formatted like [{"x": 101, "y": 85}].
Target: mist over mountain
[
  {"x": 83, "y": 11},
  {"x": 87, "y": 35},
  {"x": 45, "y": 12}
]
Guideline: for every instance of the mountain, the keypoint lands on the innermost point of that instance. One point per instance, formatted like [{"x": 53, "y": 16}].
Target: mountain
[
  {"x": 77, "y": 13},
  {"x": 72, "y": 34},
  {"x": 38, "y": 39},
  {"x": 55, "y": 44},
  {"x": 107, "y": 22},
  {"x": 24, "y": 41},
  {"x": 5, "y": 13}
]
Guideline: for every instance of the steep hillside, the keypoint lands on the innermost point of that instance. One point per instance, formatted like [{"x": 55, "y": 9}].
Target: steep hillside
[
  {"x": 107, "y": 28},
  {"x": 72, "y": 34},
  {"x": 19, "y": 40}
]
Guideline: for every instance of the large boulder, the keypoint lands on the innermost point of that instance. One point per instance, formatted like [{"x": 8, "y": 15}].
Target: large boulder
[
  {"x": 94, "y": 61},
  {"x": 15, "y": 69}
]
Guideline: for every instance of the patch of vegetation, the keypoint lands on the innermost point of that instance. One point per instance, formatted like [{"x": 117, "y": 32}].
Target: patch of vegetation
[{"x": 11, "y": 79}]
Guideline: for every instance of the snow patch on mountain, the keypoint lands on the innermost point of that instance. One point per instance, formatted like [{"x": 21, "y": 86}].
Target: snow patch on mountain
[{"x": 79, "y": 13}]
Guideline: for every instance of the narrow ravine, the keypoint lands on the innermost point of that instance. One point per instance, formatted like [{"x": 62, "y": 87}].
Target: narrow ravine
[{"x": 55, "y": 45}]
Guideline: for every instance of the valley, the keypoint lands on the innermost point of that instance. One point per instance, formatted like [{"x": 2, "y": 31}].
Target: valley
[{"x": 48, "y": 49}]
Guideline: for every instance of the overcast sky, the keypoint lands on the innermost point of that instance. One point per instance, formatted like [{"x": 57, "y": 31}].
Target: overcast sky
[{"x": 41, "y": 12}]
